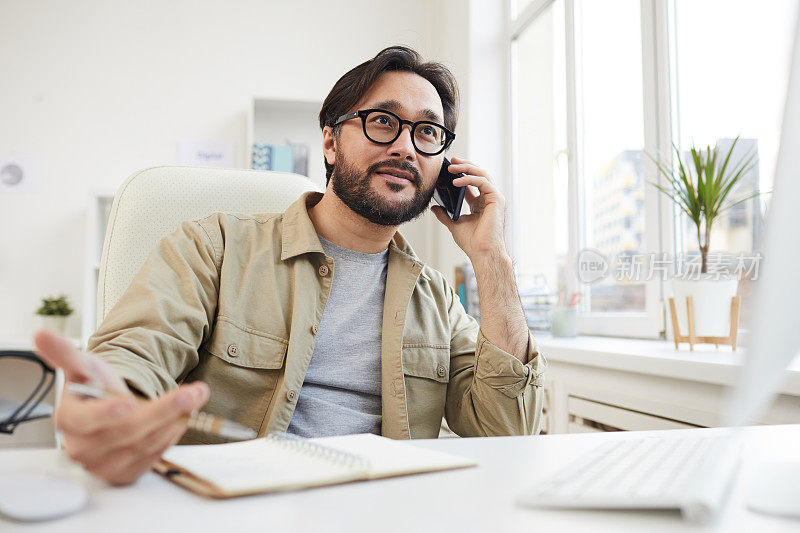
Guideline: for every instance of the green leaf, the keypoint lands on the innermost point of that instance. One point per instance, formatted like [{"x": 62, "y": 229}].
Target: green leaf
[{"x": 703, "y": 189}]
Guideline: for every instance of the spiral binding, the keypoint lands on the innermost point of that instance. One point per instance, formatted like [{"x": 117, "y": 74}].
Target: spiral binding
[{"x": 307, "y": 447}]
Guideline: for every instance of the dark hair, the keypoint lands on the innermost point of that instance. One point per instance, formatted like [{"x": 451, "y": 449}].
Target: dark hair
[{"x": 354, "y": 85}]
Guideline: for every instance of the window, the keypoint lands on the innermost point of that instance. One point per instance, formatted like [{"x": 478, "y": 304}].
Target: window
[
  {"x": 611, "y": 136},
  {"x": 597, "y": 86},
  {"x": 732, "y": 85},
  {"x": 541, "y": 147}
]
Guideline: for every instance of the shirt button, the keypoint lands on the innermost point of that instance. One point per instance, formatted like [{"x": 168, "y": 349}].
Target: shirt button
[
  {"x": 233, "y": 350},
  {"x": 323, "y": 270},
  {"x": 314, "y": 329},
  {"x": 291, "y": 394},
  {"x": 441, "y": 371}
]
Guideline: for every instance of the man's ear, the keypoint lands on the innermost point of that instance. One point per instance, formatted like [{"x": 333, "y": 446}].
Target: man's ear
[{"x": 329, "y": 145}]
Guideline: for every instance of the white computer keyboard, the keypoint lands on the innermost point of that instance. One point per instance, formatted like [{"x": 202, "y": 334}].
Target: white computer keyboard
[{"x": 691, "y": 474}]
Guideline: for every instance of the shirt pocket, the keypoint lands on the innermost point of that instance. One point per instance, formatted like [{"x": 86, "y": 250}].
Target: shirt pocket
[
  {"x": 426, "y": 369},
  {"x": 245, "y": 347},
  {"x": 242, "y": 368}
]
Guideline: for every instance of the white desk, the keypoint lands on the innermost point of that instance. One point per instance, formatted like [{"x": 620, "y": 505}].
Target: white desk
[{"x": 474, "y": 499}]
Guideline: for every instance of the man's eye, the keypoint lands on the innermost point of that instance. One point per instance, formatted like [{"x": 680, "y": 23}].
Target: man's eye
[
  {"x": 428, "y": 131},
  {"x": 383, "y": 119}
]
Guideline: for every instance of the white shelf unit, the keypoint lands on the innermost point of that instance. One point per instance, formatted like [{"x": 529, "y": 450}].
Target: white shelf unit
[
  {"x": 279, "y": 121},
  {"x": 100, "y": 201}
]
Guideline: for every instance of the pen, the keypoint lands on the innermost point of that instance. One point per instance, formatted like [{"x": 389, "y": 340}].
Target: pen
[{"x": 198, "y": 420}]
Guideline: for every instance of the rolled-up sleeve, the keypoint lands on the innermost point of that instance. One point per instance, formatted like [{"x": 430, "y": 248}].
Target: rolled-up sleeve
[{"x": 491, "y": 392}]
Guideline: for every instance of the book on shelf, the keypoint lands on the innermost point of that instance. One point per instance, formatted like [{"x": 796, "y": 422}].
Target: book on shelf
[
  {"x": 467, "y": 288},
  {"x": 282, "y": 158}
]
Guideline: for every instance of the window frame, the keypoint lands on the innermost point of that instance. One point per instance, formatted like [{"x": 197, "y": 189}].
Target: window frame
[{"x": 658, "y": 90}]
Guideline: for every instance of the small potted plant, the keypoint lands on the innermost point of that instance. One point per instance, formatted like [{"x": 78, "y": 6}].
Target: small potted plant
[
  {"x": 54, "y": 313},
  {"x": 704, "y": 190}
]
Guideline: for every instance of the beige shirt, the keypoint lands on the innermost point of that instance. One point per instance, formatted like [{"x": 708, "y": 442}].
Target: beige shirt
[{"x": 235, "y": 301}]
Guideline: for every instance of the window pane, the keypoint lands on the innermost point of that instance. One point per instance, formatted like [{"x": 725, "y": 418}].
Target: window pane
[
  {"x": 732, "y": 85},
  {"x": 612, "y": 137},
  {"x": 541, "y": 161},
  {"x": 518, "y": 6}
]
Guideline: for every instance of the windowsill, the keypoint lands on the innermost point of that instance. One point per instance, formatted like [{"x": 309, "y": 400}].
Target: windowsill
[{"x": 657, "y": 357}]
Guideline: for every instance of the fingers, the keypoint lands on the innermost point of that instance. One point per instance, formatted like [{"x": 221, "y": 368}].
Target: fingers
[
  {"x": 460, "y": 160},
  {"x": 474, "y": 177},
  {"x": 120, "y": 447},
  {"x": 472, "y": 199},
  {"x": 99, "y": 426},
  {"x": 123, "y": 467},
  {"x": 81, "y": 416},
  {"x": 58, "y": 352},
  {"x": 78, "y": 366},
  {"x": 153, "y": 415},
  {"x": 480, "y": 182},
  {"x": 442, "y": 216},
  {"x": 467, "y": 167}
]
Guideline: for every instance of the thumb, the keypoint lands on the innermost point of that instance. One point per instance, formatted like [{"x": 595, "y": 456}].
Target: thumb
[
  {"x": 442, "y": 215},
  {"x": 78, "y": 366}
]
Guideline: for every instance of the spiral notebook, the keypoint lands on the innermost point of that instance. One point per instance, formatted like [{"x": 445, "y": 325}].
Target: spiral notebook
[{"x": 279, "y": 462}]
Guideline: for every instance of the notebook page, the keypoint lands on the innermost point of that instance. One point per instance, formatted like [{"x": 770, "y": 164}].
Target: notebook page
[
  {"x": 388, "y": 457},
  {"x": 260, "y": 465}
]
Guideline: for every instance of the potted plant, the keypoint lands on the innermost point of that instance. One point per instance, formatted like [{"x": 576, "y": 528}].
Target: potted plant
[
  {"x": 54, "y": 313},
  {"x": 703, "y": 190}
]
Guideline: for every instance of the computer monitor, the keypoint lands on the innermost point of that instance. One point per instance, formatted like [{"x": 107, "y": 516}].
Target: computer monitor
[{"x": 775, "y": 324}]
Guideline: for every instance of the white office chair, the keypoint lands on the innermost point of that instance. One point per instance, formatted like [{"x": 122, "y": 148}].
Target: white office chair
[{"x": 152, "y": 202}]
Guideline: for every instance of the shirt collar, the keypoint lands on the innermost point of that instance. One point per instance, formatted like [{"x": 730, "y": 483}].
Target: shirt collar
[{"x": 300, "y": 237}]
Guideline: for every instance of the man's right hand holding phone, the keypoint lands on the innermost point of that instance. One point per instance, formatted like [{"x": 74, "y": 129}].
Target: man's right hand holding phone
[{"x": 117, "y": 438}]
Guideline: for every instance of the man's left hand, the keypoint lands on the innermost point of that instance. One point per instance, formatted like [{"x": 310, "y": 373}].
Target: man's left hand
[{"x": 481, "y": 232}]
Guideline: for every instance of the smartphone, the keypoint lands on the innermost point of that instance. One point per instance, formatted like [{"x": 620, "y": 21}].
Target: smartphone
[{"x": 448, "y": 195}]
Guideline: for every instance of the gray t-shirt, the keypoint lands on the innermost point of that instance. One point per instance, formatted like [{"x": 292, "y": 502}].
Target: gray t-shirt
[{"x": 341, "y": 393}]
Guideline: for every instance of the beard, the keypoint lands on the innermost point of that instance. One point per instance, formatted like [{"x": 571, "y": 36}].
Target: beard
[{"x": 355, "y": 190}]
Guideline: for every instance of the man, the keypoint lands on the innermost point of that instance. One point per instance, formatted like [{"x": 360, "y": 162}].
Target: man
[{"x": 319, "y": 320}]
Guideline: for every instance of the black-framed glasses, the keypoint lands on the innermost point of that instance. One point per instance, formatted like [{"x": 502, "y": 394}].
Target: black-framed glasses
[{"x": 384, "y": 127}]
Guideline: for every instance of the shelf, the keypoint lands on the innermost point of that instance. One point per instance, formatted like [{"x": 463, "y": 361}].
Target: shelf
[{"x": 280, "y": 121}]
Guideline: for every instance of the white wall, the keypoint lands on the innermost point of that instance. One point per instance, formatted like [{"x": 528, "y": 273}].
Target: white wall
[{"x": 98, "y": 89}]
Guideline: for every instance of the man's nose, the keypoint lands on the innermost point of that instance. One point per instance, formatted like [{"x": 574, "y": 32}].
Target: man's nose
[{"x": 403, "y": 146}]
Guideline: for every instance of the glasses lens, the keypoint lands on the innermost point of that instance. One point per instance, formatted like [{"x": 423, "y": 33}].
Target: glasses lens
[
  {"x": 429, "y": 138},
  {"x": 381, "y": 127}
]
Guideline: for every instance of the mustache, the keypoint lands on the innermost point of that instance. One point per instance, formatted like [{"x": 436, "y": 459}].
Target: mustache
[{"x": 400, "y": 165}]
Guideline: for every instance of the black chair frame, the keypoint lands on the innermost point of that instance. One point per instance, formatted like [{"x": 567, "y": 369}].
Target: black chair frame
[{"x": 21, "y": 414}]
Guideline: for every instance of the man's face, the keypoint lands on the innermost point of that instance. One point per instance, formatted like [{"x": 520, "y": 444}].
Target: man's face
[{"x": 357, "y": 179}]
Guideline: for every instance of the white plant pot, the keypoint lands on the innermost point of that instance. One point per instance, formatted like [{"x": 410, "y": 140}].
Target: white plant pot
[
  {"x": 58, "y": 324},
  {"x": 711, "y": 305}
]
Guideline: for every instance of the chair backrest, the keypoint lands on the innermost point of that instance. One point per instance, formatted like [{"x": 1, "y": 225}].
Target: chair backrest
[{"x": 153, "y": 202}]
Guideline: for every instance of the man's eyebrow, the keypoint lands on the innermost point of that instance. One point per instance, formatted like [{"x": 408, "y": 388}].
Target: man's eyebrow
[{"x": 395, "y": 106}]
